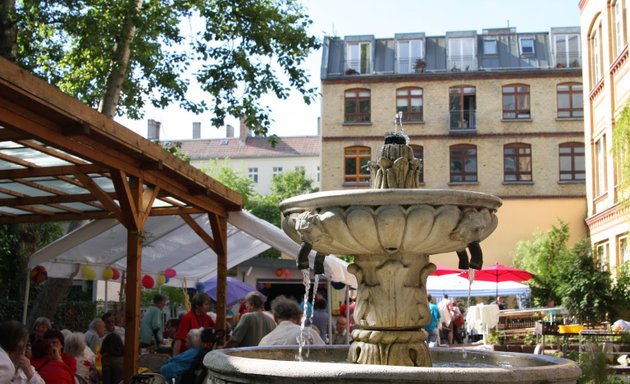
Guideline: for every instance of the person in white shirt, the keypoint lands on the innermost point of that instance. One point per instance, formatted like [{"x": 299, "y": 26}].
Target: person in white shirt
[
  {"x": 288, "y": 315},
  {"x": 446, "y": 313},
  {"x": 15, "y": 367}
]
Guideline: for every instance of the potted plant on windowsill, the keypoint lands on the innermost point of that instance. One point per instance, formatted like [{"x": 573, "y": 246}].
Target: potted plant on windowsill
[
  {"x": 351, "y": 71},
  {"x": 419, "y": 65}
]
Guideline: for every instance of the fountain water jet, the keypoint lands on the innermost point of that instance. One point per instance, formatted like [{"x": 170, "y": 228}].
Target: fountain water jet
[{"x": 391, "y": 230}]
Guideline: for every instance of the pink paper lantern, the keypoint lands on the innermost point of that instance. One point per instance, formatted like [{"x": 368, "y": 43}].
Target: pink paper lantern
[
  {"x": 148, "y": 282},
  {"x": 170, "y": 273}
]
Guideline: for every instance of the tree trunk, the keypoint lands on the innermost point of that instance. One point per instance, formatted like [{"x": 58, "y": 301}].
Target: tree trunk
[
  {"x": 8, "y": 30},
  {"x": 120, "y": 63}
]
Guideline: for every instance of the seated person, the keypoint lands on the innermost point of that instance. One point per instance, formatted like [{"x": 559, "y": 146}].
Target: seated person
[
  {"x": 56, "y": 340},
  {"x": 188, "y": 365},
  {"x": 288, "y": 315},
  {"x": 48, "y": 363},
  {"x": 112, "y": 360}
]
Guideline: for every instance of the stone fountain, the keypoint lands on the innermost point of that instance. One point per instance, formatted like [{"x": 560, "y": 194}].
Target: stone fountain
[{"x": 391, "y": 230}]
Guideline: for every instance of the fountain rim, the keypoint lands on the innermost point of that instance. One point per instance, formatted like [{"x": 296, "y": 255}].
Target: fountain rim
[
  {"x": 394, "y": 196},
  {"x": 224, "y": 361}
]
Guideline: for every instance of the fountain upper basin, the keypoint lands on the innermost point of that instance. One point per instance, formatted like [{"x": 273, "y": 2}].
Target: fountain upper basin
[
  {"x": 382, "y": 221},
  {"x": 326, "y": 365}
]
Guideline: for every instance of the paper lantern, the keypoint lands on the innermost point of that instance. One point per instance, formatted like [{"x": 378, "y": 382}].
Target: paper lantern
[
  {"x": 170, "y": 273},
  {"x": 148, "y": 282},
  {"x": 88, "y": 273},
  {"x": 116, "y": 274},
  {"x": 279, "y": 272},
  {"x": 287, "y": 273},
  {"x": 108, "y": 273},
  {"x": 39, "y": 274},
  {"x": 161, "y": 279}
]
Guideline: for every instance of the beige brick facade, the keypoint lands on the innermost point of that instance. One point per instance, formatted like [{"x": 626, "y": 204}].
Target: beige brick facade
[{"x": 528, "y": 206}]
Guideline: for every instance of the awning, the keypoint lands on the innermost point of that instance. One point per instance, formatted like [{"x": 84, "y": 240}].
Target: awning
[
  {"x": 169, "y": 243},
  {"x": 456, "y": 286}
]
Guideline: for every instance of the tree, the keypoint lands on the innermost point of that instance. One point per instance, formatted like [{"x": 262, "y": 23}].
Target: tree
[
  {"x": 543, "y": 256},
  {"x": 621, "y": 152},
  {"x": 122, "y": 54}
]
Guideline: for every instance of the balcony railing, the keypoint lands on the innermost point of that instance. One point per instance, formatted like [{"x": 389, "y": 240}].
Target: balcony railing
[{"x": 462, "y": 120}]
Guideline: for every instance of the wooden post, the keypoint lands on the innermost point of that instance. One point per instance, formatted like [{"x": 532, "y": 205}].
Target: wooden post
[
  {"x": 132, "y": 305},
  {"x": 219, "y": 230}
]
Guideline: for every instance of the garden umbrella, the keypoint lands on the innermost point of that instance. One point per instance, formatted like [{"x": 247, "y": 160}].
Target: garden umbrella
[
  {"x": 442, "y": 270},
  {"x": 235, "y": 290},
  {"x": 499, "y": 273}
]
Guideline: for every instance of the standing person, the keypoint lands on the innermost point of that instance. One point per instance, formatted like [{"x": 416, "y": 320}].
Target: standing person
[
  {"x": 197, "y": 317},
  {"x": 15, "y": 367},
  {"x": 152, "y": 323},
  {"x": 94, "y": 334},
  {"x": 74, "y": 345},
  {"x": 457, "y": 323},
  {"x": 320, "y": 318},
  {"x": 110, "y": 325},
  {"x": 432, "y": 327},
  {"x": 341, "y": 331},
  {"x": 288, "y": 314},
  {"x": 112, "y": 360},
  {"x": 500, "y": 301},
  {"x": 446, "y": 312},
  {"x": 253, "y": 325}
]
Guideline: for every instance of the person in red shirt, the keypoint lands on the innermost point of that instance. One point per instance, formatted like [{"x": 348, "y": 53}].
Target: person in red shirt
[
  {"x": 49, "y": 364},
  {"x": 197, "y": 317}
]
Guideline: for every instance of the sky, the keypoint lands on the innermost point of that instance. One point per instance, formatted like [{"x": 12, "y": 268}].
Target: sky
[{"x": 383, "y": 19}]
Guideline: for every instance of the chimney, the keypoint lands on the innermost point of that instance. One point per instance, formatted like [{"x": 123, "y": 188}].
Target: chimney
[
  {"x": 153, "y": 130},
  {"x": 244, "y": 131},
  {"x": 229, "y": 131},
  {"x": 196, "y": 130}
]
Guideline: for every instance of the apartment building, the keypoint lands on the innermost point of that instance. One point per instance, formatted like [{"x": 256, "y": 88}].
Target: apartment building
[
  {"x": 604, "y": 31},
  {"x": 499, "y": 112},
  {"x": 254, "y": 156}
]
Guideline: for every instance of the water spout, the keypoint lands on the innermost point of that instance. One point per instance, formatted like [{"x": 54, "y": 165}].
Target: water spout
[
  {"x": 302, "y": 259},
  {"x": 476, "y": 256},
  {"x": 318, "y": 266}
]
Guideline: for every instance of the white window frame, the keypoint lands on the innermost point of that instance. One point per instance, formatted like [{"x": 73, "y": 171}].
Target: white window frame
[
  {"x": 458, "y": 56},
  {"x": 523, "y": 47},
  {"x": 252, "y": 173},
  {"x": 277, "y": 171},
  {"x": 597, "y": 64},
  {"x": 356, "y": 60},
  {"x": 623, "y": 249},
  {"x": 494, "y": 46},
  {"x": 602, "y": 252},
  {"x": 620, "y": 35},
  {"x": 569, "y": 56},
  {"x": 600, "y": 157},
  {"x": 408, "y": 52}
]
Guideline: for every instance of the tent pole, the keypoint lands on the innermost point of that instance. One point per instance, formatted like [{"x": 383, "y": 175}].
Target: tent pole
[
  {"x": 26, "y": 295},
  {"x": 329, "y": 308}
]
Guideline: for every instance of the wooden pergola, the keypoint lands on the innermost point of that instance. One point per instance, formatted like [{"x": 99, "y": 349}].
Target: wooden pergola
[{"x": 61, "y": 160}]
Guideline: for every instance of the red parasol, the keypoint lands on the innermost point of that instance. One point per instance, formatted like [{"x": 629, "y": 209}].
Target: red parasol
[{"x": 499, "y": 273}]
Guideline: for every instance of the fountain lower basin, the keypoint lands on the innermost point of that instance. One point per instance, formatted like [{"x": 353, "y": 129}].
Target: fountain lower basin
[{"x": 327, "y": 365}]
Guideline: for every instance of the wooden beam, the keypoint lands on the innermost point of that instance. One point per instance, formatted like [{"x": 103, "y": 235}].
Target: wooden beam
[
  {"x": 126, "y": 198},
  {"x": 200, "y": 231},
  {"x": 20, "y": 199},
  {"x": 50, "y": 171},
  {"x": 101, "y": 195},
  {"x": 219, "y": 230},
  {"x": 132, "y": 303}
]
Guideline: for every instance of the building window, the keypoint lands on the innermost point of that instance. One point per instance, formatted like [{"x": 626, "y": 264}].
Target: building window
[
  {"x": 253, "y": 174},
  {"x": 461, "y": 54},
  {"x": 409, "y": 102},
  {"x": 567, "y": 51},
  {"x": 418, "y": 153},
  {"x": 600, "y": 167},
  {"x": 409, "y": 53},
  {"x": 357, "y": 103},
  {"x": 489, "y": 47},
  {"x": 516, "y": 102},
  {"x": 623, "y": 250},
  {"x": 300, "y": 168},
  {"x": 277, "y": 171},
  {"x": 356, "y": 164},
  {"x": 358, "y": 58},
  {"x": 527, "y": 45},
  {"x": 619, "y": 27},
  {"x": 463, "y": 163},
  {"x": 462, "y": 108},
  {"x": 596, "y": 56},
  {"x": 601, "y": 255},
  {"x": 570, "y": 100},
  {"x": 572, "y": 166},
  {"x": 517, "y": 162}
]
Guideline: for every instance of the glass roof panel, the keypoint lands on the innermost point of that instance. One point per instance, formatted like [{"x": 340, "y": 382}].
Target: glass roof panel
[
  {"x": 105, "y": 183},
  {"x": 5, "y": 165},
  {"x": 13, "y": 211},
  {"x": 61, "y": 185},
  {"x": 39, "y": 158},
  {"x": 23, "y": 189},
  {"x": 81, "y": 206}
]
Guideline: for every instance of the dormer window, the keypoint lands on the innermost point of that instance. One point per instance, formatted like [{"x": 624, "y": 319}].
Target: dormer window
[
  {"x": 410, "y": 56},
  {"x": 358, "y": 58},
  {"x": 489, "y": 47},
  {"x": 527, "y": 46},
  {"x": 461, "y": 54}
]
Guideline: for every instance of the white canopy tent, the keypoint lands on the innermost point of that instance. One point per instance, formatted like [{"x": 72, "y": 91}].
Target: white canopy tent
[
  {"x": 456, "y": 286},
  {"x": 169, "y": 243}
]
